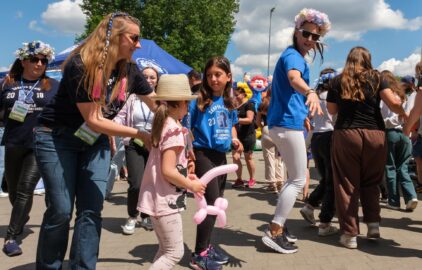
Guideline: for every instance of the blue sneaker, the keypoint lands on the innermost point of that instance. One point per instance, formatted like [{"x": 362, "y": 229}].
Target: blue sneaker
[
  {"x": 11, "y": 248},
  {"x": 199, "y": 262},
  {"x": 217, "y": 255}
]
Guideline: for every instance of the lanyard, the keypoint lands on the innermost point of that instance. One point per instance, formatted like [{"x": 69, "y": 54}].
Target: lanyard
[
  {"x": 27, "y": 92},
  {"x": 143, "y": 113}
]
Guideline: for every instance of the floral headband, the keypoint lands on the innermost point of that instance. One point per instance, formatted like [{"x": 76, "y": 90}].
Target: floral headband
[
  {"x": 327, "y": 76},
  {"x": 313, "y": 16},
  {"x": 33, "y": 48}
]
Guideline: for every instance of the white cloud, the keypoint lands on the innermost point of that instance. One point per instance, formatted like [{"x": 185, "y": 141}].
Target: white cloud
[
  {"x": 350, "y": 19},
  {"x": 2, "y": 69},
  {"x": 33, "y": 25},
  {"x": 237, "y": 72},
  {"x": 19, "y": 14},
  {"x": 401, "y": 67},
  {"x": 65, "y": 16}
]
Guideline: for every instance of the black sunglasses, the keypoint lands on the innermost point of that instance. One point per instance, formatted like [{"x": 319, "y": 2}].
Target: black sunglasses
[
  {"x": 35, "y": 60},
  {"x": 307, "y": 34},
  {"x": 134, "y": 38}
]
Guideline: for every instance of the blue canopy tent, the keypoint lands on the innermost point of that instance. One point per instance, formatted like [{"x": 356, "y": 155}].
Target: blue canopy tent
[{"x": 149, "y": 55}]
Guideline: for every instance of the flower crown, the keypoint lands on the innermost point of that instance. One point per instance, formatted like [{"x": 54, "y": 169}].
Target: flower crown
[
  {"x": 33, "y": 48},
  {"x": 313, "y": 16}
]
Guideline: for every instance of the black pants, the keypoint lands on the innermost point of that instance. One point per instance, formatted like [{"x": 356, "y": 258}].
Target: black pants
[
  {"x": 324, "y": 192},
  {"x": 206, "y": 159},
  {"x": 136, "y": 159},
  {"x": 22, "y": 175}
]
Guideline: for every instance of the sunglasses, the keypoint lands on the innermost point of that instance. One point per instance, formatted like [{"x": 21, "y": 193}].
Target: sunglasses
[
  {"x": 35, "y": 60},
  {"x": 307, "y": 34},
  {"x": 134, "y": 38}
]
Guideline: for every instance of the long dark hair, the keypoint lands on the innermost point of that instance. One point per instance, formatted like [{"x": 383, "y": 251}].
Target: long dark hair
[
  {"x": 205, "y": 93},
  {"x": 16, "y": 72}
]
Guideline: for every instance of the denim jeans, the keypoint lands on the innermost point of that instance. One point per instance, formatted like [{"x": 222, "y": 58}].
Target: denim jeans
[
  {"x": 397, "y": 167},
  {"x": 73, "y": 171},
  {"x": 117, "y": 163}
]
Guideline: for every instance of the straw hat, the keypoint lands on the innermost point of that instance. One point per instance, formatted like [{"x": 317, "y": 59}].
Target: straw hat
[{"x": 173, "y": 88}]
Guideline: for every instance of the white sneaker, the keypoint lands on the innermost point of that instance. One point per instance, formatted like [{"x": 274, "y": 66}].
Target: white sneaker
[
  {"x": 411, "y": 205},
  {"x": 129, "y": 227},
  {"x": 307, "y": 213},
  {"x": 4, "y": 194},
  {"x": 348, "y": 241},
  {"x": 327, "y": 230},
  {"x": 373, "y": 230},
  {"x": 39, "y": 191}
]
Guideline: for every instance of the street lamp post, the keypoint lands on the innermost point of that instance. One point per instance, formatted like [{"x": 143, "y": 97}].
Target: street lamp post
[{"x": 269, "y": 43}]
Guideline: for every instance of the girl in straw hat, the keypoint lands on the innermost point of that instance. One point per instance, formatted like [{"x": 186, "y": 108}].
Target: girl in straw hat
[{"x": 162, "y": 194}]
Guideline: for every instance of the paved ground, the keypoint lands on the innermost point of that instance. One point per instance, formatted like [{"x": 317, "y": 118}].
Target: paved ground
[{"x": 249, "y": 211}]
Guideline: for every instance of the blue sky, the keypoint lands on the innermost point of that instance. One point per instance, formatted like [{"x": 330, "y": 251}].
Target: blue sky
[{"x": 390, "y": 29}]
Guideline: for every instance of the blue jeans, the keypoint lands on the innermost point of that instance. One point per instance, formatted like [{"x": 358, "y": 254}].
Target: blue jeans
[
  {"x": 71, "y": 169},
  {"x": 397, "y": 167}
]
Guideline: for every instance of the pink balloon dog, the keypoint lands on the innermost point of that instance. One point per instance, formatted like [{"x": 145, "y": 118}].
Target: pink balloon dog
[{"x": 220, "y": 205}]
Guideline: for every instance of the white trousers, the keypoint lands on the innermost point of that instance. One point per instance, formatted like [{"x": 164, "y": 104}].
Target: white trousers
[{"x": 291, "y": 145}]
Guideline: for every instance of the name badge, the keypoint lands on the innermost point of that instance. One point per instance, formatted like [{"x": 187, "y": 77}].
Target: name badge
[
  {"x": 86, "y": 134},
  {"x": 19, "y": 111},
  {"x": 139, "y": 142}
]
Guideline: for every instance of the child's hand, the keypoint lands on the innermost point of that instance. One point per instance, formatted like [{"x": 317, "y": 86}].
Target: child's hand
[{"x": 196, "y": 186}]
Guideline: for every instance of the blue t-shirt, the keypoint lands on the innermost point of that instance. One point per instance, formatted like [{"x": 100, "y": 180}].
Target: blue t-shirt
[
  {"x": 212, "y": 129},
  {"x": 287, "y": 106}
]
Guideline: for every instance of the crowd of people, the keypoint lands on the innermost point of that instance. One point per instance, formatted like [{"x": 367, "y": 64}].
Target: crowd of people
[{"x": 170, "y": 130}]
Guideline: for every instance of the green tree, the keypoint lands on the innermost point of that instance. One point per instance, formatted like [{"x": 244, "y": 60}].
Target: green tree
[{"x": 190, "y": 30}]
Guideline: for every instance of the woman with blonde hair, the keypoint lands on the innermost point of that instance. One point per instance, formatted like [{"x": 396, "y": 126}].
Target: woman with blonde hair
[
  {"x": 71, "y": 143},
  {"x": 358, "y": 143}
]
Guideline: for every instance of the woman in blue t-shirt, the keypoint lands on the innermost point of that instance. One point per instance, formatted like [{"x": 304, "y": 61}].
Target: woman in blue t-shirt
[
  {"x": 71, "y": 143},
  {"x": 25, "y": 91},
  {"x": 213, "y": 120},
  {"x": 290, "y": 101}
]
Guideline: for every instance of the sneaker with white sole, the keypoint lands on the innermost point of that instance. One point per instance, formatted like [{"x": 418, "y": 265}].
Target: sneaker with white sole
[
  {"x": 307, "y": 213},
  {"x": 279, "y": 243},
  {"x": 129, "y": 227},
  {"x": 411, "y": 205},
  {"x": 290, "y": 237},
  {"x": 327, "y": 230},
  {"x": 373, "y": 230},
  {"x": 349, "y": 241}
]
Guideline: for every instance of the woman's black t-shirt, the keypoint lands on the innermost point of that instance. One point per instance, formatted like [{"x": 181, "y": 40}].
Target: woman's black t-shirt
[
  {"x": 357, "y": 114},
  {"x": 245, "y": 131},
  {"x": 30, "y": 92},
  {"x": 62, "y": 110}
]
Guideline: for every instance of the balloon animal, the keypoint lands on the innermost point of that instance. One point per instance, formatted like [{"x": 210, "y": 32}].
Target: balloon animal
[{"x": 220, "y": 204}]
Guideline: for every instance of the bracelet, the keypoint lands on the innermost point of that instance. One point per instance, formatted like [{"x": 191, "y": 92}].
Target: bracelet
[{"x": 309, "y": 91}]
